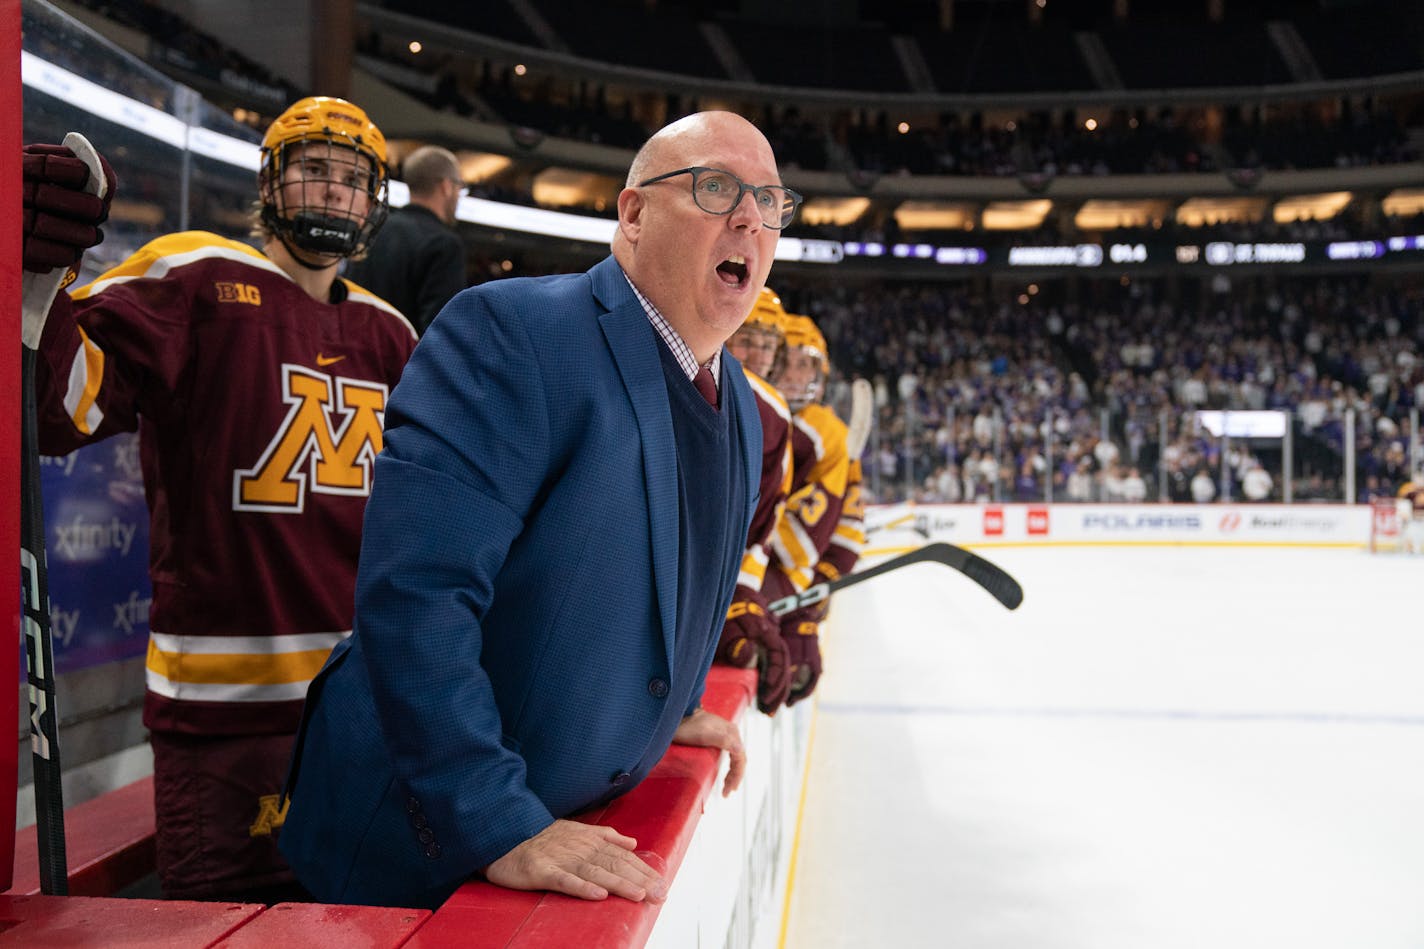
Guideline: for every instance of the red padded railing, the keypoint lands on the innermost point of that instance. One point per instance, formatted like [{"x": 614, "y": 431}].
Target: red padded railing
[
  {"x": 661, "y": 813},
  {"x": 110, "y": 842}
]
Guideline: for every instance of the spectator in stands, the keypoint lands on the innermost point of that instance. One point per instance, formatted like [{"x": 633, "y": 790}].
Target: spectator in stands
[
  {"x": 1134, "y": 489},
  {"x": 417, "y": 262},
  {"x": 1179, "y": 485},
  {"x": 218, "y": 354},
  {"x": 1256, "y": 483},
  {"x": 556, "y": 530},
  {"x": 1203, "y": 487},
  {"x": 1080, "y": 481}
]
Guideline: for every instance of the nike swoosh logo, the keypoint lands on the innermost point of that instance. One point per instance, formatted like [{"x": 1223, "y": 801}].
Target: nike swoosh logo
[{"x": 327, "y": 360}]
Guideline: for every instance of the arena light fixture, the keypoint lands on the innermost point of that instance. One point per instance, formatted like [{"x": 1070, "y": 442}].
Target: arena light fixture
[
  {"x": 834, "y": 211},
  {"x": 1198, "y": 212},
  {"x": 1310, "y": 207},
  {"x": 1015, "y": 215},
  {"x": 564, "y": 187},
  {"x": 1404, "y": 202},
  {"x": 935, "y": 216},
  {"x": 1106, "y": 215}
]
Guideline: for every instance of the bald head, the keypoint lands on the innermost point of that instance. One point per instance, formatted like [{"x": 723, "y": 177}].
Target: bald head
[
  {"x": 689, "y": 134},
  {"x": 701, "y": 270}
]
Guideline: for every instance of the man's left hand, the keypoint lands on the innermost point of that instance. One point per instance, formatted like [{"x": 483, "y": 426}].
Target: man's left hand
[{"x": 705, "y": 730}]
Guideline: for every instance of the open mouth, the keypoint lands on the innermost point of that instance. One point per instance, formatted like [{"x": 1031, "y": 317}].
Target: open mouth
[{"x": 733, "y": 271}]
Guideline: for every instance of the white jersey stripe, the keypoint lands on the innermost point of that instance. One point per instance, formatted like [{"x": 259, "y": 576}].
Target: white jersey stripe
[
  {"x": 769, "y": 395},
  {"x": 370, "y": 299},
  {"x": 162, "y": 265},
  {"x": 817, "y": 443},
  {"x": 225, "y": 692},
  {"x": 79, "y": 402},
  {"x": 246, "y": 645}
]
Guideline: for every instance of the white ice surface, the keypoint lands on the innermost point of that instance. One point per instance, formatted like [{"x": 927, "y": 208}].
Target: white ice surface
[{"x": 1163, "y": 747}]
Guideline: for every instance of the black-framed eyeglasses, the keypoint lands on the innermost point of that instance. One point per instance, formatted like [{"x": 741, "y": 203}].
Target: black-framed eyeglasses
[{"x": 718, "y": 191}]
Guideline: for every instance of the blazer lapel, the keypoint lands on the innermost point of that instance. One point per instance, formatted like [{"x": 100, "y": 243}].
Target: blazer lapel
[{"x": 632, "y": 343}]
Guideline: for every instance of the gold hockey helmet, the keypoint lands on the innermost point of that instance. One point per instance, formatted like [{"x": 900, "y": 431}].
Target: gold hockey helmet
[
  {"x": 802, "y": 333},
  {"x": 299, "y": 214}
]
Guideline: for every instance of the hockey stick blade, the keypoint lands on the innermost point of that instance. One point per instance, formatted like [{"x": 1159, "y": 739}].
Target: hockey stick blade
[
  {"x": 907, "y": 521},
  {"x": 990, "y": 576},
  {"x": 862, "y": 415}
]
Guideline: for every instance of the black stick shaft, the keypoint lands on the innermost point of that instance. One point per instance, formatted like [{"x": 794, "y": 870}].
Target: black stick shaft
[
  {"x": 991, "y": 577},
  {"x": 39, "y": 651}
]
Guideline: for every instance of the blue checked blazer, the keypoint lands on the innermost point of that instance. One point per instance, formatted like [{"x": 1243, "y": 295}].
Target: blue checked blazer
[{"x": 515, "y": 604}]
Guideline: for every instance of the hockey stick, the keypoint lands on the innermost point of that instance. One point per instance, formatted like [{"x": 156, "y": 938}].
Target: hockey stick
[
  {"x": 39, "y": 653},
  {"x": 862, "y": 412},
  {"x": 37, "y": 294},
  {"x": 904, "y": 521},
  {"x": 991, "y": 577}
]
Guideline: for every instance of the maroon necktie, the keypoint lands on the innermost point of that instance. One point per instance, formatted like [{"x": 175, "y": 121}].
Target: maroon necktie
[{"x": 705, "y": 385}]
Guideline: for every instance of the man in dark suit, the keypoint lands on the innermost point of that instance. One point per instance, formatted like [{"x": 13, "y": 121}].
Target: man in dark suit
[
  {"x": 417, "y": 262},
  {"x": 553, "y": 538}
]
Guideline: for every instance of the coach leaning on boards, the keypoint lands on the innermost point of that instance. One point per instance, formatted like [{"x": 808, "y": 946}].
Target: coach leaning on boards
[{"x": 554, "y": 533}]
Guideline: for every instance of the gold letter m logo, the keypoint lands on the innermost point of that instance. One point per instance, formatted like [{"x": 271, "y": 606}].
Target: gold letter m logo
[{"x": 306, "y": 449}]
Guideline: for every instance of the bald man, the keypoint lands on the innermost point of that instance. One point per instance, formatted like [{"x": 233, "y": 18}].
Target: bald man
[{"x": 554, "y": 534}]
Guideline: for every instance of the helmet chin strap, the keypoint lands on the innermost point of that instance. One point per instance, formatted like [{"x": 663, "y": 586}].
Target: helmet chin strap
[
  {"x": 296, "y": 254},
  {"x": 288, "y": 231}
]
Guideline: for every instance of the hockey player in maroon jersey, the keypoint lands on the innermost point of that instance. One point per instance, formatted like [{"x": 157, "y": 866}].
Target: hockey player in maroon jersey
[
  {"x": 821, "y": 532},
  {"x": 257, "y": 381},
  {"x": 751, "y": 635}
]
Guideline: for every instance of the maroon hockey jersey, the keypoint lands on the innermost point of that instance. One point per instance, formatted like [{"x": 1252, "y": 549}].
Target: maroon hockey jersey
[
  {"x": 775, "y": 478},
  {"x": 259, "y": 412}
]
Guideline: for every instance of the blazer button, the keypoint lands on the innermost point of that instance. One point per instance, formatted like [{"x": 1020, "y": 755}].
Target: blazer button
[
  {"x": 412, "y": 806},
  {"x": 426, "y": 835},
  {"x": 620, "y": 779},
  {"x": 658, "y": 688},
  {"x": 418, "y": 820},
  {"x": 432, "y": 851}
]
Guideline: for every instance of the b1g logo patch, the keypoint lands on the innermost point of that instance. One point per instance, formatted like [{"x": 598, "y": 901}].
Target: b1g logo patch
[
  {"x": 230, "y": 292},
  {"x": 307, "y": 452}
]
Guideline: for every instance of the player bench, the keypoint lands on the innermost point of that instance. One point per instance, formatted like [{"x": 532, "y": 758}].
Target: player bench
[{"x": 109, "y": 844}]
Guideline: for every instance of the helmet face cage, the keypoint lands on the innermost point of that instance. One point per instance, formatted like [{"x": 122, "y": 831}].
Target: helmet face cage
[
  {"x": 297, "y": 210},
  {"x": 318, "y": 148}
]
